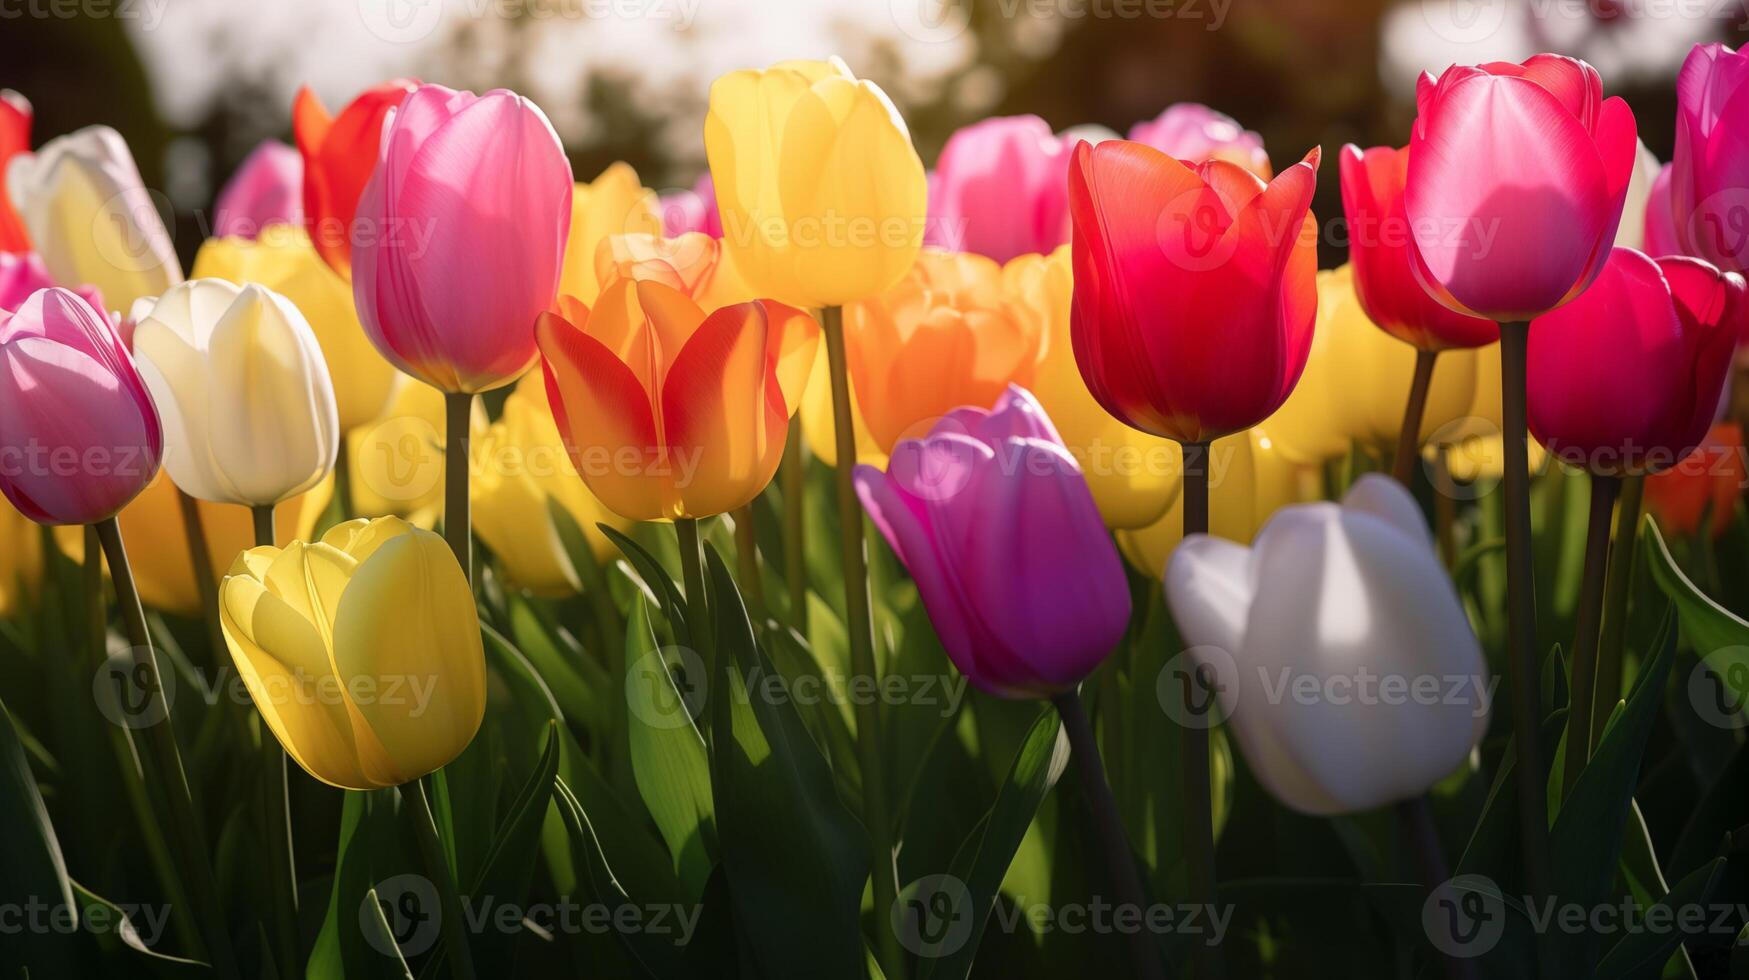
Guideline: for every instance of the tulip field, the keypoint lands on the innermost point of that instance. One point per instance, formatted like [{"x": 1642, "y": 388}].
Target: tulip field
[{"x": 1044, "y": 556}]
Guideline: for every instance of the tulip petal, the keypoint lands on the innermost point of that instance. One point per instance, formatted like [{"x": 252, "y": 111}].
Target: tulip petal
[
  {"x": 606, "y": 418},
  {"x": 722, "y": 416}
]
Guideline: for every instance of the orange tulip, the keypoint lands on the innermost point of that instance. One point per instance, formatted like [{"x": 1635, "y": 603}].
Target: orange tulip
[
  {"x": 1710, "y": 477},
  {"x": 668, "y": 412}
]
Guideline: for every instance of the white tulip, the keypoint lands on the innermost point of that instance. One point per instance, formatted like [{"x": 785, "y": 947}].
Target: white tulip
[
  {"x": 247, "y": 405},
  {"x": 1348, "y": 670},
  {"x": 91, "y": 218}
]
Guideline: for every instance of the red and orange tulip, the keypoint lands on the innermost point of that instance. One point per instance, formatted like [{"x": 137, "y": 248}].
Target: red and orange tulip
[{"x": 339, "y": 154}]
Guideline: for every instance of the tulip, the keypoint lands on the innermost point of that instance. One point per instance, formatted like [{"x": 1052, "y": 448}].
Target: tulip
[
  {"x": 79, "y": 437},
  {"x": 1194, "y": 288},
  {"x": 1661, "y": 238},
  {"x": 474, "y": 195},
  {"x": 521, "y": 464},
  {"x": 1000, "y": 188},
  {"x": 339, "y": 154},
  {"x": 267, "y": 189},
  {"x": 1516, "y": 179},
  {"x": 1709, "y": 183},
  {"x": 1381, "y": 603},
  {"x": 1703, "y": 487},
  {"x": 21, "y": 561},
  {"x": 670, "y": 413},
  {"x": 15, "y": 120},
  {"x": 1021, "y": 615},
  {"x": 1195, "y": 133},
  {"x": 821, "y": 195},
  {"x": 1658, "y": 337},
  {"x": 693, "y": 210},
  {"x": 1133, "y": 475},
  {"x": 397, "y": 463},
  {"x": 1357, "y": 381},
  {"x": 614, "y": 203},
  {"x": 287, "y": 263},
  {"x": 91, "y": 218},
  {"x": 23, "y": 273},
  {"x": 320, "y": 631},
  {"x": 693, "y": 263}
]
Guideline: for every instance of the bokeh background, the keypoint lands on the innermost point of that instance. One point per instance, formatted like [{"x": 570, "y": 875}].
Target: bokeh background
[{"x": 194, "y": 84}]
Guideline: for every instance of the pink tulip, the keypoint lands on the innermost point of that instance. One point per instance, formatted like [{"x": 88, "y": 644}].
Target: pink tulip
[
  {"x": 1624, "y": 379},
  {"x": 1661, "y": 238},
  {"x": 1195, "y": 133},
  {"x": 693, "y": 210},
  {"x": 994, "y": 520},
  {"x": 1001, "y": 189},
  {"x": 462, "y": 233},
  {"x": 1709, "y": 185},
  {"x": 1380, "y": 249},
  {"x": 267, "y": 189},
  {"x": 79, "y": 436},
  {"x": 1517, "y": 174},
  {"x": 23, "y": 273}
]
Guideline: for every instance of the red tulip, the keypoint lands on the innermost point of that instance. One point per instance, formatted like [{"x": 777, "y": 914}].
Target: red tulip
[
  {"x": 1517, "y": 174},
  {"x": 339, "y": 153},
  {"x": 1624, "y": 380},
  {"x": 1707, "y": 482},
  {"x": 1709, "y": 183},
  {"x": 1380, "y": 249},
  {"x": 15, "y": 119},
  {"x": 1195, "y": 288}
]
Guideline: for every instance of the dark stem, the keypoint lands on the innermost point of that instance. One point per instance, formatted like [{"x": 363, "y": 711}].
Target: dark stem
[
  {"x": 1199, "y": 815},
  {"x": 794, "y": 473},
  {"x": 453, "y": 923},
  {"x": 208, "y": 589},
  {"x": 1421, "y": 838},
  {"x": 1588, "y": 622},
  {"x": 262, "y": 515},
  {"x": 747, "y": 559},
  {"x": 698, "y": 620},
  {"x": 860, "y": 623},
  {"x": 1126, "y": 884},
  {"x": 457, "y": 519},
  {"x": 1521, "y": 616},
  {"x": 1606, "y": 690},
  {"x": 276, "y": 804},
  {"x": 1409, "y": 437},
  {"x": 163, "y": 760},
  {"x": 343, "y": 476}
]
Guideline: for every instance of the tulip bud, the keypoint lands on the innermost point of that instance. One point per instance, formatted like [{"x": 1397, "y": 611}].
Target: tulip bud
[
  {"x": 79, "y": 436},
  {"x": 471, "y": 202},
  {"x": 247, "y": 403},
  {"x": 91, "y": 218},
  {"x": 999, "y": 189},
  {"x": 990, "y": 515},
  {"x": 361, "y": 651},
  {"x": 267, "y": 189},
  {"x": 339, "y": 154},
  {"x": 614, "y": 203},
  {"x": 1380, "y": 606},
  {"x": 1709, "y": 183}
]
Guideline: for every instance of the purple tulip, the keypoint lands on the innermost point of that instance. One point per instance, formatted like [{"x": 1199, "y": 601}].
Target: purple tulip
[{"x": 1709, "y": 177}]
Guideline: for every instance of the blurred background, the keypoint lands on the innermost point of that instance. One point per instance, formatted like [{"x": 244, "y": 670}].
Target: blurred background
[{"x": 195, "y": 84}]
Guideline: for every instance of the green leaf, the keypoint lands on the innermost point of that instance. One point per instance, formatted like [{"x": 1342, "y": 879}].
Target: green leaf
[
  {"x": 659, "y": 581},
  {"x": 669, "y": 761},
  {"x": 568, "y": 675},
  {"x": 1717, "y": 634},
  {"x": 798, "y": 862},
  {"x": 32, "y": 870},
  {"x": 117, "y": 936},
  {"x": 369, "y": 851},
  {"x": 508, "y": 868},
  {"x": 1723, "y": 809},
  {"x": 1641, "y": 953},
  {"x": 983, "y": 859}
]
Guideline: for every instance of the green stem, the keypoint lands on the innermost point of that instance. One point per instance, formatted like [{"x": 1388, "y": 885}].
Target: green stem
[
  {"x": 458, "y": 410},
  {"x": 1606, "y": 691},
  {"x": 453, "y": 921},
  {"x": 1199, "y": 814},
  {"x": 201, "y": 559},
  {"x": 794, "y": 474},
  {"x": 343, "y": 476},
  {"x": 1588, "y": 620},
  {"x": 164, "y": 760},
  {"x": 276, "y": 807},
  {"x": 884, "y": 878},
  {"x": 747, "y": 560},
  {"x": 692, "y": 578},
  {"x": 1409, "y": 436},
  {"x": 1126, "y": 884},
  {"x": 1524, "y": 660}
]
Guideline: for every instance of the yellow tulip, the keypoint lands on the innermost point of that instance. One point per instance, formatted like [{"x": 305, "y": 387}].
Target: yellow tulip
[
  {"x": 612, "y": 204},
  {"x": 283, "y": 260},
  {"x": 519, "y": 464},
  {"x": 362, "y": 651},
  {"x": 1132, "y": 474},
  {"x": 1249, "y": 479},
  {"x": 21, "y": 559},
  {"x": 396, "y": 463},
  {"x": 821, "y": 193},
  {"x": 1473, "y": 444},
  {"x": 1356, "y": 383}
]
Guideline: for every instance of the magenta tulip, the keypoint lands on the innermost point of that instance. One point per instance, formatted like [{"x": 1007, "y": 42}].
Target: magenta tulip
[
  {"x": 693, "y": 210},
  {"x": 23, "y": 273},
  {"x": 267, "y": 189},
  {"x": 1001, "y": 189},
  {"x": 1624, "y": 379},
  {"x": 1709, "y": 184},
  {"x": 461, "y": 234},
  {"x": 1517, "y": 174},
  {"x": 1195, "y": 133},
  {"x": 1661, "y": 236},
  {"x": 994, "y": 520},
  {"x": 79, "y": 436},
  {"x": 1379, "y": 247}
]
